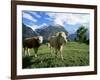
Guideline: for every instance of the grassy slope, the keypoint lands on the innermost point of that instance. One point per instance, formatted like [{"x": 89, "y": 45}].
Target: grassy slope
[{"x": 75, "y": 54}]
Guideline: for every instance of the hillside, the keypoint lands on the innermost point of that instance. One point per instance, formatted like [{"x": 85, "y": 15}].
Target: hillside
[
  {"x": 27, "y": 32},
  {"x": 50, "y": 31}
]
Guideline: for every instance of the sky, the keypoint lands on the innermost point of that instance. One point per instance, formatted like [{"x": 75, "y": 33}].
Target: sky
[{"x": 70, "y": 21}]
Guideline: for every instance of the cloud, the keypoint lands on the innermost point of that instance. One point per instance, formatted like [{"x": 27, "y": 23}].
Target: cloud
[
  {"x": 51, "y": 15},
  {"x": 35, "y": 14},
  {"x": 86, "y": 25},
  {"x": 28, "y": 16},
  {"x": 48, "y": 18},
  {"x": 44, "y": 24},
  {"x": 69, "y": 18}
]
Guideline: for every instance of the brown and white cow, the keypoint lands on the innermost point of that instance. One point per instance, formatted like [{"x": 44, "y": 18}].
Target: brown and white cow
[
  {"x": 57, "y": 42},
  {"x": 33, "y": 42}
]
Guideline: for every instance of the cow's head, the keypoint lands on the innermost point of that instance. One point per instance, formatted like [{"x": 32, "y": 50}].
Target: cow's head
[
  {"x": 40, "y": 39},
  {"x": 63, "y": 35}
]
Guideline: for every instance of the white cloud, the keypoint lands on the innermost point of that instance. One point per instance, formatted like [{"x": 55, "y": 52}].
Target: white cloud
[
  {"x": 60, "y": 19},
  {"x": 69, "y": 18},
  {"x": 28, "y": 16},
  {"x": 48, "y": 18},
  {"x": 35, "y": 14},
  {"x": 44, "y": 24},
  {"x": 86, "y": 25},
  {"x": 51, "y": 15}
]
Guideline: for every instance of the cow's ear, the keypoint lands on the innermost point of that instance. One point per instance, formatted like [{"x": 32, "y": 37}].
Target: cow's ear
[
  {"x": 37, "y": 38},
  {"x": 58, "y": 34}
]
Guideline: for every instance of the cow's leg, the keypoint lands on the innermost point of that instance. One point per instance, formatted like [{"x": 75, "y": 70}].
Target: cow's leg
[
  {"x": 35, "y": 50},
  {"x": 28, "y": 51},
  {"x": 61, "y": 52},
  {"x": 25, "y": 51},
  {"x": 56, "y": 52},
  {"x": 52, "y": 50}
]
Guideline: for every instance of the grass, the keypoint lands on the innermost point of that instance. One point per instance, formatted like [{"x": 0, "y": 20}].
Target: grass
[{"x": 75, "y": 54}]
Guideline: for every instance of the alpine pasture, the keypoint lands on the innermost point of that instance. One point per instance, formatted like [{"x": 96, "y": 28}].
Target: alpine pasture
[{"x": 75, "y": 54}]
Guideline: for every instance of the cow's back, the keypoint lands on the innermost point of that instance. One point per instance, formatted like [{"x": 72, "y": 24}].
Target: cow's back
[
  {"x": 54, "y": 42},
  {"x": 31, "y": 43}
]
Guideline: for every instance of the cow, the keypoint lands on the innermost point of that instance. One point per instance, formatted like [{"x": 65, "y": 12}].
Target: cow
[
  {"x": 57, "y": 42},
  {"x": 33, "y": 42}
]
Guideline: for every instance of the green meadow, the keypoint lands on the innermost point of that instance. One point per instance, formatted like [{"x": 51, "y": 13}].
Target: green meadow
[{"x": 74, "y": 53}]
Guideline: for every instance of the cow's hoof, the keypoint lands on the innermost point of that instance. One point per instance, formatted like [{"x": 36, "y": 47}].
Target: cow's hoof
[{"x": 35, "y": 55}]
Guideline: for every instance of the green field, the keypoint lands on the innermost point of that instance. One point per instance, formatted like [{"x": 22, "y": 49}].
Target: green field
[{"x": 75, "y": 54}]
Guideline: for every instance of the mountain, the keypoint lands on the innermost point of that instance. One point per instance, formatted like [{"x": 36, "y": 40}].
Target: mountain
[
  {"x": 50, "y": 30},
  {"x": 46, "y": 32},
  {"x": 27, "y": 32},
  {"x": 72, "y": 37}
]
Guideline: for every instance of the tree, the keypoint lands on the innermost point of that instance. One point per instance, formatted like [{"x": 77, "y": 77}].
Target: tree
[{"x": 82, "y": 34}]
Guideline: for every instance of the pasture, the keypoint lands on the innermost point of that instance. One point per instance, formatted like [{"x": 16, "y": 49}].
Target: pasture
[{"x": 74, "y": 53}]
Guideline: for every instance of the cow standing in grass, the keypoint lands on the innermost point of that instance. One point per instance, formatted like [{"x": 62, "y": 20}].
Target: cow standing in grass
[
  {"x": 33, "y": 42},
  {"x": 57, "y": 42}
]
